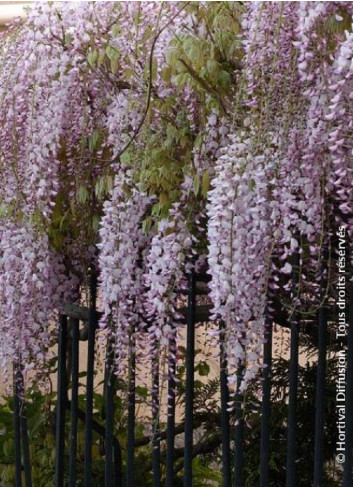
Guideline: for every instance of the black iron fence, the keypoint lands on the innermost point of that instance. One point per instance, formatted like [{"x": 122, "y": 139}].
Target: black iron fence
[{"x": 232, "y": 441}]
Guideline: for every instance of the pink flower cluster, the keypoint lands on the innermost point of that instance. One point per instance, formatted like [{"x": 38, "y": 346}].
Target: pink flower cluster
[
  {"x": 77, "y": 83},
  {"x": 64, "y": 112},
  {"x": 121, "y": 261},
  {"x": 34, "y": 284},
  {"x": 287, "y": 177}
]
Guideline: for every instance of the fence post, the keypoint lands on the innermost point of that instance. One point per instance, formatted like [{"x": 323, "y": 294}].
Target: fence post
[
  {"x": 131, "y": 417},
  {"x": 17, "y": 426},
  {"x": 92, "y": 324},
  {"x": 24, "y": 430},
  {"x": 118, "y": 476},
  {"x": 347, "y": 470},
  {"x": 225, "y": 432},
  {"x": 61, "y": 403},
  {"x": 320, "y": 381},
  {"x": 21, "y": 443},
  {"x": 156, "y": 449},
  {"x": 189, "y": 387},
  {"x": 109, "y": 391},
  {"x": 266, "y": 406},
  {"x": 25, "y": 447},
  {"x": 293, "y": 380},
  {"x": 171, "y": 414},
  {"x": 239, "y": 432},
  {"x": 74, "y": 399}
]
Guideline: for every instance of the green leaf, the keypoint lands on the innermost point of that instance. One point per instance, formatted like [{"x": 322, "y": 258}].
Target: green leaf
[
  {"x": 95, "y": 222},
  {"x": 171, "y": 57},
  {"x": 203, "y": 369},
  {"x": 3, "y": 210},
  {"x": 103, "y": 186},
  {"x": 146, "y": 225},
  {"x": 116, "y": 30},
  {"x": 196, "y": 185},
  {"x": 112, "y": 53},
  {"x": 156, "y": 209},
  {"x": 68, "y": 38},
  {"x": 205, "y": 186},
  {"x": 92, "y": 57},
  {"x": 142, "y": 392},
  {"x": 114, "y": 65},
  {"x": 7, "y": 447},
  {"x": 93, "y": 141},
  {"x": 163, "y": 199},
  {"x": 224, "y": 79},
  {"x": 212, "y": 66},
  {"x": 82, "y": 194},
  {"x": 101, "y": 58}
]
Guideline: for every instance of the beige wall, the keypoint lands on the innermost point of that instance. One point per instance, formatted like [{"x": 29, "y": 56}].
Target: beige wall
[{"x": 10, "y": 10}]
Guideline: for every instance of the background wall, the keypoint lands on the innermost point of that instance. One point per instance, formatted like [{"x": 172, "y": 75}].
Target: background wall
[{"x": 9, "y": 10}]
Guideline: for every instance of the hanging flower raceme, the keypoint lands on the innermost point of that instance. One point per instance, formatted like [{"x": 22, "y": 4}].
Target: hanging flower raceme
[
  {"x": 169, "y": 253},
  {"x": 34, "y": 284},
  {"x": 340, "y": 123},
  {"x": 121, "y": 267},
  {"x": 241, "y": 233}
]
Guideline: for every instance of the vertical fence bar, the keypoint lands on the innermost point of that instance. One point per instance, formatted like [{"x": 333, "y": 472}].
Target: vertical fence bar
[
  {"x": 25, "y": 448},
  {"x": 17, "y": 425},
  {"x": 92, "y": 323},
  {"x": 75, "y": 324},
  {"x": 131, "y": 418},
  {"x": 171, "y": 414},
  {"x": 24, "y": 430},
  {"x": 266, "y": 407},
  {"x": 61, "y": 404},
  {"x": 118, "y": 475},
  {"x": 239, "y": 432},
  {"x": 109, "y": 384},
  {"x": 225, "y": 432},
  {"x": 320, "y": 383},
  {"x": 189, "y": 383},
  {"x": 156, "y": 453},
  {"x": 293, "y": 381},
  {"x": 347, "y": 469}
]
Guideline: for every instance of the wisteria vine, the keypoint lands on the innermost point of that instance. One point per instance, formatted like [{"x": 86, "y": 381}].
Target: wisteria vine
[{"x": 149, "y": 132}]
